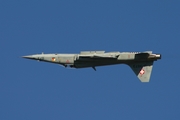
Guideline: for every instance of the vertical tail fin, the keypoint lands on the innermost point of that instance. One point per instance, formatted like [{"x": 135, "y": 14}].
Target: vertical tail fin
[{"x": 142, "y": 70}]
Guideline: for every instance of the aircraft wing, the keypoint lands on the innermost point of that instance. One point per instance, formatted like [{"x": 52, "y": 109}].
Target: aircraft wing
[{"x": 98, "y": 56}]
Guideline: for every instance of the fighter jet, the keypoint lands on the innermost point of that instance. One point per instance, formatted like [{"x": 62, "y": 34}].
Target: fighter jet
[{"x": 140, "y": 62}]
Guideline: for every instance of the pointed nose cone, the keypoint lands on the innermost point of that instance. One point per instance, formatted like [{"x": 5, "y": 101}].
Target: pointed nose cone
[{"x": 28, "y": 57}]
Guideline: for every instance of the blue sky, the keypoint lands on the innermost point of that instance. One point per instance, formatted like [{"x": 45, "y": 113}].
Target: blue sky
[{"x": 31, "y": 90}]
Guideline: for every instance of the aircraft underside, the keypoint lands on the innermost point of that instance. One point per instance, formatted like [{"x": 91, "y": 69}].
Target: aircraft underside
[{"x": 140, "y": 62}]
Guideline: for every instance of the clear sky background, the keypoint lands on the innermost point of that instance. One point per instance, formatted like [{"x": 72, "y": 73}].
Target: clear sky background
[{"x": 31, "y": 90}]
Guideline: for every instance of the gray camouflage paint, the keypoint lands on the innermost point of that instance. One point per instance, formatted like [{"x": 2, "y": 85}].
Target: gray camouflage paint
[{"x": 140, "y": 62}]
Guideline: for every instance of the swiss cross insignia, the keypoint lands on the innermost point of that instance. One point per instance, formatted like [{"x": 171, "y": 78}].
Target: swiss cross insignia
[
  {"x": 142, "y": 72},
  {"x": 53, "y": 59}
]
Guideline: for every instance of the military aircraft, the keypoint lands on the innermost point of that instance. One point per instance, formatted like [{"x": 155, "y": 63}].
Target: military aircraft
[{"x": 140, "y": 62}]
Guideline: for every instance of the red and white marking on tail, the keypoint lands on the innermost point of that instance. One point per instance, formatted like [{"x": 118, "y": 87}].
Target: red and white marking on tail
[{"x": 142, "y": 72}]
